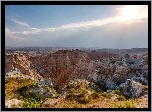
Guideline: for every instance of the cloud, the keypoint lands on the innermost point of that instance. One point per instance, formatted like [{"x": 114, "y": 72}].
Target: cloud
[
  {"x": 30, "y": 31},
  {"x": 13, "y": 19},
  {"x": 73, "y": 29},
  {"x": 84, "y": 25},
  {"x": 85, "y": 29},
  {"x": 13, "y": 39},
  {"x": 21, "y": 23},
  {"x": 12, "y": 35}
]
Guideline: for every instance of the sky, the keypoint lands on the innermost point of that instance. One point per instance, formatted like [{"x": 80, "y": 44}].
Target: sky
[{"x": 102, "y": 26}]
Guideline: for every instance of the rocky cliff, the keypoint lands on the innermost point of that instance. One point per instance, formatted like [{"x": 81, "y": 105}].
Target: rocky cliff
[{"x": 19, "y": 61}]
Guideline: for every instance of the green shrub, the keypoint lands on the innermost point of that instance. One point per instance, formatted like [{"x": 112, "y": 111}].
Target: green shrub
[
  {"x": 125, "y": 104},
  {"x": 84, "y": 100},
  {"x": 117, "y": 92},
  {"x": 65, "y": 106},
  {"x": 13, "y": 106},
  {"x": 20, "y": 97},
  {"x": 78, "y": 95},
  {"x": 32, "y": 103},
  {"x": 121, "y": 97}
]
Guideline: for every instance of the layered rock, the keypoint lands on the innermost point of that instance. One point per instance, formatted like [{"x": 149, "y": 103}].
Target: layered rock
[
  {"x": 63, "y": 66},
  {"x": 20, "y": 62}
]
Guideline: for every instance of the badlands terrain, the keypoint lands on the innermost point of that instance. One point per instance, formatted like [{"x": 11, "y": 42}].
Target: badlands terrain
[{"x": 76, "y": 78}]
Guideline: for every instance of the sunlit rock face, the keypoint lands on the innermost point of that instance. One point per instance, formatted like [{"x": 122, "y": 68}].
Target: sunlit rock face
[
  {"x": 114, "y": 71},
  {"x": 63, "y": 66},
  {"x": 19, "y": 62}
]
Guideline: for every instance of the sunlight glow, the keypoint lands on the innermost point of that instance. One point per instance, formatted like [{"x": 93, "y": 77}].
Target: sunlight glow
[{"x": 130, "y": 13}]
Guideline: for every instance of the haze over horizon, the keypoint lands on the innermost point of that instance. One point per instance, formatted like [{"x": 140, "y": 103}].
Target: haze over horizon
[{"x": 102, "y": 26}]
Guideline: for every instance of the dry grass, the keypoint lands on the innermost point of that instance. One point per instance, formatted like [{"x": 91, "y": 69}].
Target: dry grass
[
  {"x": 15, "y": 83},
  {"x": 77, "y": 98},
  {"x": 125, "y": 104},
  {"x": 101, "y": 102}
]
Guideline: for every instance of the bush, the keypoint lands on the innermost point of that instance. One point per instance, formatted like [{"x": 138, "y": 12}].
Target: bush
[
  {"x": 65, "y": 106},
  {"x": 121, "y": 97},
  {"x": 84, "y": 100},
  {"x": 78, "y": 95},
  {"x": 25, "y": 92},
  {"x": 32, "y": 103},
  {"x": 117, "y": 92},
  {"x": 126, "y": 104}
]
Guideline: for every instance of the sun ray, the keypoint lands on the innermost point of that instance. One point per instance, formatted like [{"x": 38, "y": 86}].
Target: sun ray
[{"x": 130, "y": 13}]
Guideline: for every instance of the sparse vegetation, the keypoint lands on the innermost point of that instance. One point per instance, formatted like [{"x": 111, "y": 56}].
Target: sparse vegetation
[
  {"x": 125, "y": 104},
  {"x": 32, "y": 103},
  {"x": 12, "y": 84},
  {"x": 79, "y": 95},
  {"x": 117, "y": 92},
  {"x": 107, "y": 95},
  {"x": 121, "y": 98}
]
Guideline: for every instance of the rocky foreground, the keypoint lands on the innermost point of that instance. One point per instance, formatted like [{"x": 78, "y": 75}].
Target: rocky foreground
[{"x": 74, "y": 79}]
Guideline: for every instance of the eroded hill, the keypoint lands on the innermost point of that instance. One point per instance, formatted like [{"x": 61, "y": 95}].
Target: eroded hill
[{"x": 98, "y": 72}]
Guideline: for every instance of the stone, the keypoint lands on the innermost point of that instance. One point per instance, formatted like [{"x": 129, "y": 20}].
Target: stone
[
  {"x": 50, "y": 102},
  {"x": 114, "y": 97},
  {"x": 13, "y": 103},
  {"x": 130, "y": 89}
]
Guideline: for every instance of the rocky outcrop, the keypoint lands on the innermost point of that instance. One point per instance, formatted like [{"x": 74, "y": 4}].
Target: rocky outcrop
[
  {"x": 44, "y": 89},
  {"x": 112, "y": 72},
  {"x": 20, "y": 62},
  {"x": 131, "y": 89},
  {"x": 18, "y": 84}
]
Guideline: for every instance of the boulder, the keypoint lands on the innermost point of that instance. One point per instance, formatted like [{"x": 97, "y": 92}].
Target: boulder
[
  {"x": 130, "y": 89},
  {"x": 42, "y": 91}
]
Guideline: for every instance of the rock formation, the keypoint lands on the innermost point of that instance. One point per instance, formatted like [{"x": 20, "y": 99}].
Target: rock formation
[
  {"x": 104, "y": 69},
  {"x": 131, "y": 89},
  {"x": 21, "y": 63}
]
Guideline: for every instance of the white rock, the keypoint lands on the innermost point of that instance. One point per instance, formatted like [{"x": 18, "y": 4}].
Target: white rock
[{"x": 13, "y": 102}]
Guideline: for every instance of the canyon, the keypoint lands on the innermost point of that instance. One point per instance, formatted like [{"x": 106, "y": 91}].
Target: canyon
[{"x": 104, "y": 70}]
